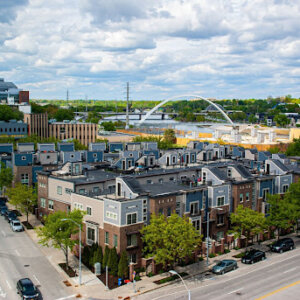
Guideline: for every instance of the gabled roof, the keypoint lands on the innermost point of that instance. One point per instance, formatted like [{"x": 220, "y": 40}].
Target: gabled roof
[
  {"x": 253, "y": 151},
  {"x": 133, "y": 184},
  {"x": 218, "y": 173},
  {"x": 243, "y": 171},
  {"x": 280, "y": 165}
]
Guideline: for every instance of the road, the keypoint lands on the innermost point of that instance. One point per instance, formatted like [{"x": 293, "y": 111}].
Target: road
[
  {"x": 19, "y": 258},
  {"x": 276, "y": 278}
]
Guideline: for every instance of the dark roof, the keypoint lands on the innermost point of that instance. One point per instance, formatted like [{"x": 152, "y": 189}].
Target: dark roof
[
  {"x": 217, "y": 172},
  {"x": 4, "y": 86},
  {"x": 281, "y": 155},
  {"x": 267, "y": 153},
  {"x": 243, "y": 171},
  {"x": 133, "y": 184},
  {"x": 253, "y": 151},
  {"x": 280, "y": 165}
]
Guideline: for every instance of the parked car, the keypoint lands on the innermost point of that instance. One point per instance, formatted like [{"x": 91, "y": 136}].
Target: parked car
[
  {"x": 10, "y": 215},
  {"x": 26, "y": 289},
  {"x": 16, "y": 225},
  {"x": 224, "y": 266},
  {"x": 253, "y": 256},
  {"x": 3, "y": 210},
  {"x": 283, "y": 245}
]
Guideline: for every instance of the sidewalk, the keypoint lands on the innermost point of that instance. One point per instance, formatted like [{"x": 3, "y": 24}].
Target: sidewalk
[{"x": 92, "y": 288}]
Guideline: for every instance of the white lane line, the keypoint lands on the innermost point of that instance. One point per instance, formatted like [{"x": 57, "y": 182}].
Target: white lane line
[
  {"x": 17, "y": 252},
  {"x": 9, "y": 286},
  {"x": 68, "y": 297},
  {"x": 3, "y": 233},
  {"x": 234, "y": 291},
  {"x": 36, "y": 279},
  {"x": 290, "y": 270}
]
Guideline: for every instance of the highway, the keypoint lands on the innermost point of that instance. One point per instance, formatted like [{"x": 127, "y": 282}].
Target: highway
[
  {"x": 19, "y": 258},
  {"x": 276, "y": 278}
]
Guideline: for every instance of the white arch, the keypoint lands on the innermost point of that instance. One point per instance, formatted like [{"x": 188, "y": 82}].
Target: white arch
[{"x": 176, "y": 98}]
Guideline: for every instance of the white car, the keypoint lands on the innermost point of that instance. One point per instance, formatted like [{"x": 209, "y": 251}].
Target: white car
[{"x": 16, "y": 225}]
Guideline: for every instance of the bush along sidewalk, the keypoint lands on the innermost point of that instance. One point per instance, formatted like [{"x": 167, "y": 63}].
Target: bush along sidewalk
[{"x": 170, "y": 278}]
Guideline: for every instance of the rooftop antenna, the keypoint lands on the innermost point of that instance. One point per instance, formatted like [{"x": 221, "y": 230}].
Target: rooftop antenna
[
  {"x": 67, "y": 95},
  {"x": 86, "y": 97},
  {"x": 127, "y": 107}
]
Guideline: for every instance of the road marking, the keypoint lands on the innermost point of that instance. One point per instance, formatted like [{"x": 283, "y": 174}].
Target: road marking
[
  {"x": 17, "y": 252},
  {"x": 234, "y": 291},
  {"x": 36, "y": 279},
  {"x": 3, "y": 233},
  {"x": 2, "y": 294},
  {"x": 279, "y": 290},
  {"x": 9, "y": 286},
  {"x": 232, "y": 278},
  {"x": 290, "y": 270},
  {"x": 68, "y": 297}
]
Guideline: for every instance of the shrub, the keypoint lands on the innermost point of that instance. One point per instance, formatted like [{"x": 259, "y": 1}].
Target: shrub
[
  {"x": 240, "y": 255},
  {"x": 113, "y": 261},
  {"x": 86, "y": 255},
  {"x": 236, "y": 248},
  {"x": 161, "y": 271},
  {"x": 212, "y": 255},
  {"x": 201, "y": 258},
  {"x": 150, "y": 274},
  {"x": 220, "y": 253},
  {"x": 137, "y": 278},
  {"x": 106, "y": 256},
  {"x": 123, "y": 265},
  {"x": 226, "y": 251}
]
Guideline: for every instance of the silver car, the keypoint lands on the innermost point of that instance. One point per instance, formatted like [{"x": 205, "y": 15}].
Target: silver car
[
  {"x": 224, "y": 266},
  {"x": 16, "y": 225}
]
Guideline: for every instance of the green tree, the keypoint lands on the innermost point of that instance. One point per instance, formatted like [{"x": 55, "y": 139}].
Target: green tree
[
  {"x": 281, "y": 120},
  {"x": 6, "y": 176},
  {"x": 23, "y": 197},
  {"x": 97, "y": 256},
  {"x": 8, "y": 113},
  {"x": 252, "y": 119},
  {"x": 108, "y": 126},
  {"x": 247, "y": 222},
  {"x": 169, "y": 240},
  {"x": 169, "y": 136},
  {"x": 63, "y": 114},
  {"x": 123, "y": 266},
  {"x": 113, "y": 261},
  {"x": 106, "y": 256},
  {"x": 293, "y": 148},
  {"x": 278, "y": 213},
  {"x": 58, "y": 233}
]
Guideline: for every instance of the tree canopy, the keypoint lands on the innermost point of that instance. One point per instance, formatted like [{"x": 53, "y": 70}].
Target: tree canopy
[
  {"x": 169, "y": 240},
  {"x": 8, "y": 113},
  {"x": 58, "y": 233},
  {"x": 6, "y": 176}
]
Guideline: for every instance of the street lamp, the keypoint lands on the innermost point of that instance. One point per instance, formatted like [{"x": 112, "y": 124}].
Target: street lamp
[
  {"x": 175, "y": 273},
  {"x": 79, "y": 245},
  {"x": 207, "y": 245}
]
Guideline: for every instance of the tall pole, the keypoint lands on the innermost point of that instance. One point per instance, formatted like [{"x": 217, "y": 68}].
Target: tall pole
[
  {"x": 106, "y": 270},
  {"x": 175, "y": 273},
  {"x": 207, "y": 238},
  {"x": 79, "y": 254},
  {"x": 127, "y": 107}
]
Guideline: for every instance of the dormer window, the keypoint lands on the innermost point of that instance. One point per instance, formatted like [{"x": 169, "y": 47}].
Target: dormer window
[
  {"x": 229, "y": 174},
  {"x": 203, "y": 177}
]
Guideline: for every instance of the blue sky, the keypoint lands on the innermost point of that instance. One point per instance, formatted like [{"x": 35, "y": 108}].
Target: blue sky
[{"x": 213, "y": 48}]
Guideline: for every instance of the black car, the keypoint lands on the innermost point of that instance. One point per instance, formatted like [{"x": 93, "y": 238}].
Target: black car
[
  {"x": 283, "y": 245},
  {"x": 10, "y": 215},
  {"x": 26, "y": 289},
  {"x": 253, "y": 256},
  {"x": 3, "y": 210}
]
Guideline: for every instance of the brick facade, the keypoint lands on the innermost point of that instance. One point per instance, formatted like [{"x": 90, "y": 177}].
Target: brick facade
[
  {"x": 162, "y": 204},
  {"x": 241, "y": 188}
]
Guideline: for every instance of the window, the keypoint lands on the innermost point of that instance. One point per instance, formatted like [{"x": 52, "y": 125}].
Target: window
[
  {"x": 160, "y": 180},
  {"x": 131, "y": 240},
  {"x": 265, "y": 193},
  {"x": 59, "y": 190},
  {"x": 149, "y": 181},
  {"x": 247, "y": 197},
  {"x": 50, "y": 204},
  {"x": 161, "y": 211},
  {"x": 194, "y": 208},
  {"x": 25, "y": 179},
  {"x": 115, "y": 240},
  {"x": 285, "y": 188},
  {"x": 72, "y": 155},
  {"x": 23, "y": 158},
  {"x": 132, "y": 258},
  {"x": 241, "y": 197},
  {"x": 220, "y": 201},
  {"x": 229, "y": 173},
  {"x": 95, "y": 155},
  {"x": 173, "y": 159},
  {"x": 78, "y": 206},
  {"x": 111, "y": 215},
  {"x": 68, "y": 191},
  {"x": 204, "y": 177},
  {"x": 77, "y": 168},
  {"x": 43, "y": 202},
  {"x": 82, "y": 191},
  {"x": 169, "y": 211},
  {"x": 88, "y": 211},
  {"x": 220, "y": 219},
  {"x": 171, "y": 178},
  {"x": 106, "y": 241},
  {"x": 91, "y": 234},
  {"x": 131, "y": 218},
  {"x": 96, "y": 190},
  {"x": 196, "y": 224}
]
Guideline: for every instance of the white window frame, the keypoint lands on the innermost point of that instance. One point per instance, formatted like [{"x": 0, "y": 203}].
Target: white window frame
[
  {"x": 285, "y": 186},
  {"x": 198, "y": 207},
  {"x": 59, "y": 190},
  {"x": 106, "y": 234},
  {"x": 50, "y": 204},
  {"x": 88, "y": 210},
  {"x": 43, "y": 202},
  {"x": 87, "y": 235},
  {"x": 241, "y": 198},
  {"x": 247, "y": 196},
  {"x": 264, "y": 194},
  {"x": 23, "y": 157},
  {"x": 136, "y": 218},
  {"x": 217, "y": 200}
]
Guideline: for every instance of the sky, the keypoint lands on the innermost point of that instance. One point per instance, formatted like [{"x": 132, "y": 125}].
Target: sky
[{"x": 163, "y": 48}]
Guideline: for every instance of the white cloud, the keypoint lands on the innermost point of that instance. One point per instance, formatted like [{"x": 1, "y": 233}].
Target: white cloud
[{"x": 233, "y": 48}]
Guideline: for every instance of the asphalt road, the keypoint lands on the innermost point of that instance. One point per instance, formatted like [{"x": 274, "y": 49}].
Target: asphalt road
[
  {"x": 19, "y": 258},
  {"x": 276, "y": 278}
]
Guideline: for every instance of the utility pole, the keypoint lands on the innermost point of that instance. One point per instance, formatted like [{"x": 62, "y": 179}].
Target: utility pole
[
  {"x": 127, "y": 107},
  {"x": 86, "y": 103}
]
